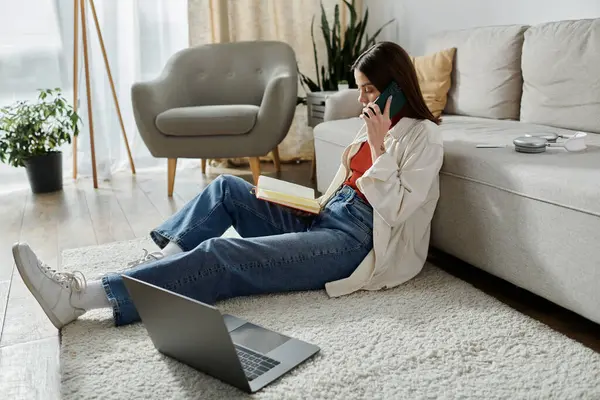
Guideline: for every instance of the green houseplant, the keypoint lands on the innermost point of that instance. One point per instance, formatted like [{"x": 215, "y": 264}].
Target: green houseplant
[
  {"x": 343, "y": 48},
  {"x": 31, "y": 135}
]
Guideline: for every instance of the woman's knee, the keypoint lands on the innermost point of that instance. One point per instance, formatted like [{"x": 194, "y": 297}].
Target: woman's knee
[
  {"x": 213, "y": 252},
  {"x": 233, "y": 185},
  {"x": 229, "y": 180}
]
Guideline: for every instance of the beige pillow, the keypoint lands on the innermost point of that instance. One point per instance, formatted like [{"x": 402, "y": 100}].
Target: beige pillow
[{"x": 434, "y": 72}]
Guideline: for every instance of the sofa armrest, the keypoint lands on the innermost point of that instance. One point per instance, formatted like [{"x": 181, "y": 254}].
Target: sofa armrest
[
  {"x": 149, "y": 99},
  {"x": 341, "y": 105}
]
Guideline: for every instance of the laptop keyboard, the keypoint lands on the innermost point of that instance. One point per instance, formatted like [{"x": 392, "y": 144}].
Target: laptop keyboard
[{"x": 254, "y": 364}]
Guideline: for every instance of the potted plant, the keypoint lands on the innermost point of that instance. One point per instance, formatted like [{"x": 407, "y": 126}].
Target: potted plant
[
  {"x": 31, "y": 135},
  {"x": 343, "y": 48}
]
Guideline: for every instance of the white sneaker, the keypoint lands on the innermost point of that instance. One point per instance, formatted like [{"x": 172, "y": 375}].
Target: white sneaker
[
  {"x": 52, "y": 289},
  {"x": 146, "y": 258}
]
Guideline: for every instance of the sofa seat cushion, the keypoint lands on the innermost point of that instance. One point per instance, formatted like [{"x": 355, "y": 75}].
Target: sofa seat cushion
[
  {"x": 208, "y": 120},
  {"x": 556, "y": 176}
]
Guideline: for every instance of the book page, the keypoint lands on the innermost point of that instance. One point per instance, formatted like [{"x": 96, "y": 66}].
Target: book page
[
  {"x": 302, "y": 203},
  {"x": 277, "y": 185}
]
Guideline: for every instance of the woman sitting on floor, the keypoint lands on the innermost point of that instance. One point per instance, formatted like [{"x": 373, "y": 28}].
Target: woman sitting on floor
[{"x": 372, "y": 232}]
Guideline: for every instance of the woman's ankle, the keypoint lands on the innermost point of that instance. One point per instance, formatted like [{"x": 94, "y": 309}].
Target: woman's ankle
[
  {"x": 171, "y": 248},
  {"x": 93, "y": 297}
]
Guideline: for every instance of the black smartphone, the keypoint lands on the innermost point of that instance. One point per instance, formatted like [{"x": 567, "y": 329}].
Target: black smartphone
[{"x": 398, "y": 99}]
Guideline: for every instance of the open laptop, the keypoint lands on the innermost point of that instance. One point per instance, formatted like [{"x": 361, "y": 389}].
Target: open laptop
[{"x": 235, "y": 351}]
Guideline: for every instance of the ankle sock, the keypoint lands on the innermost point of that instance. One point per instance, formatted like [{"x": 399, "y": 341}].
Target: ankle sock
[
  {"x": 170, "y": 249},
  {"x": 94, "y": 296}
]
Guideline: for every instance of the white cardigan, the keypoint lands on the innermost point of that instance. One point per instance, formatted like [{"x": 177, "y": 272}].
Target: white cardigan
[{"x": 402, "y": 186}]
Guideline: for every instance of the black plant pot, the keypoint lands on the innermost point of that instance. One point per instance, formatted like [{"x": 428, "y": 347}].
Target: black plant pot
[{"x": 45, "y": 172}]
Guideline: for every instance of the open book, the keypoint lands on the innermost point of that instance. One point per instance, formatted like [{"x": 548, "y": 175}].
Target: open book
[{"x": 287, "y": 194}]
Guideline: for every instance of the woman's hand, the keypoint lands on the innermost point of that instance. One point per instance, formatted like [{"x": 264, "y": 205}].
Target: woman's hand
[{"x": 378, "y": 124}]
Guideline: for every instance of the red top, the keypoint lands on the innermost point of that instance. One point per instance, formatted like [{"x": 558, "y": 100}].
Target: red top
[{"x": 362, "y": 161}]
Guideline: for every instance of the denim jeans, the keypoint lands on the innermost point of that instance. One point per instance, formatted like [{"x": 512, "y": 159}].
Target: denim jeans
[{"x": 278, "y": 251}]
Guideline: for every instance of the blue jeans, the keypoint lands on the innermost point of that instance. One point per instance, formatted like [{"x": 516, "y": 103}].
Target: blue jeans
[{"x": 278, "y": 251}]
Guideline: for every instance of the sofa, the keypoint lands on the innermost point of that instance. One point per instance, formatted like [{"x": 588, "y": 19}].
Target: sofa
[{"x": 530, "y": 219}]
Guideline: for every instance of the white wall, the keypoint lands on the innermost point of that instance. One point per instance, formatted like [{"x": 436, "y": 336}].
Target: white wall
[{"x": 417, "y": 19}]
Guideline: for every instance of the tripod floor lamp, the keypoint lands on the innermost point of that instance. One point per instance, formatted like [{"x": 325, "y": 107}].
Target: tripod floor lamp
[{"x": 79, "y": 7}]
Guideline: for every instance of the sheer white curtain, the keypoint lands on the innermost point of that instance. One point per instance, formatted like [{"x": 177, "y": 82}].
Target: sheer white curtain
[{"x": 36, "y": 51}]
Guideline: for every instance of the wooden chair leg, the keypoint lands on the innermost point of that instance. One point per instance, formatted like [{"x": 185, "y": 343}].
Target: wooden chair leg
[
  {"x": 255, "y": 167},
  {"x": 204, "y": 165},
  {"x": 276, "y": 160},
  {"x": 172, "y": 169}
]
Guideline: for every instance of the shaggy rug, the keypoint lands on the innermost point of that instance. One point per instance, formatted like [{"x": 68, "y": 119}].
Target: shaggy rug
[{"x": 433, "y": 337}]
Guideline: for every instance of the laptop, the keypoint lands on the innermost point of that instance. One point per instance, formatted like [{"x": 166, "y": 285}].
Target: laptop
[{"x": 228, "y": 348}]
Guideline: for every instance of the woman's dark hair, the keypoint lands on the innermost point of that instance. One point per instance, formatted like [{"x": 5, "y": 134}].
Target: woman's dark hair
[{"x": 387, "y": 61}]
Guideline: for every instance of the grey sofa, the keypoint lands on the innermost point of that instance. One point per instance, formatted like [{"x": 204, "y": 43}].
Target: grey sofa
[
  {"x": 531, "y": 219},
  {"x": 219, "y": 101}
]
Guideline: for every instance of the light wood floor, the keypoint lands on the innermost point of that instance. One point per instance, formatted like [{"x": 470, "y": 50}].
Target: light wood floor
[{"x": 128, "y": 207}]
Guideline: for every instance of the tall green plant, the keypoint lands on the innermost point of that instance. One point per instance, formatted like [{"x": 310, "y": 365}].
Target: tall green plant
[
  {"x": 34, "y": 129},
  {"x": 343, "y": 48}
]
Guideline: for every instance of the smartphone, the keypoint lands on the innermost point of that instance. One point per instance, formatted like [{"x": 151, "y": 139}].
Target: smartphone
[{"x": 398, "y": 99}]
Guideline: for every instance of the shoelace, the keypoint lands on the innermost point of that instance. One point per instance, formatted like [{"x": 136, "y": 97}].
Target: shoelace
[
  {"x": 145, "y": 258},
  {"x": 74, "y": 280}
]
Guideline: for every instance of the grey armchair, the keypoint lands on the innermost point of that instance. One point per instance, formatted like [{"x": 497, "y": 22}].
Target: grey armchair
[{"x": 219, "y": 101}]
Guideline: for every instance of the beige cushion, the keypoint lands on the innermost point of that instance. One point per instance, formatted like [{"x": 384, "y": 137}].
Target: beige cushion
[
  {"x": 486, "y": 78},
  {"x": 434, "y": 72},
  {"x": 561, "y": 73},
  {"x": 207, "y": 120}
]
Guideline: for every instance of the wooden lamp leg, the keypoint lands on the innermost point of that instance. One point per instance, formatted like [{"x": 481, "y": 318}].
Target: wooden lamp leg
[
  {"x": 75, "y": 75},
  {"x": 276, "y": 160},
  {"x": 89, "y": 91},
  {"x": 112, "y": 85},
  {"x": 255, "y": 167},
  {"x": 172, "y": 169}
]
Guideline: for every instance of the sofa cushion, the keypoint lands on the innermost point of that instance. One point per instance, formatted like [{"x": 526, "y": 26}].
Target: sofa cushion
[
  {"x": 434, "y": 72},
  {"x": 207, "y": 120},
  {"x": 555, "y": 176},
  {"x": 561, "y": 64},
  {"x": 486, "y": 77}
]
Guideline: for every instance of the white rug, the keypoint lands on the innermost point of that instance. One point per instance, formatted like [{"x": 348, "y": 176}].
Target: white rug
[{"x": 434, "y": 337}]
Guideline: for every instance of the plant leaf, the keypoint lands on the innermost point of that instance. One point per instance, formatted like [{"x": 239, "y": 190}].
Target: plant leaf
[
  {"x": 328, "y": 40},
  {"x": 35, "y": 129},
  {"x": 312, "y": 35},
  {"x": 342, "y": 48}
]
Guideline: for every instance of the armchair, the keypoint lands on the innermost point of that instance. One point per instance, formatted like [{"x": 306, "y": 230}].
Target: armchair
[{"x": 219, "y": 101}]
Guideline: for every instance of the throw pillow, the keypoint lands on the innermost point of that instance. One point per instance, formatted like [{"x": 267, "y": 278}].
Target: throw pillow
[{"x": 434, "y": 72}]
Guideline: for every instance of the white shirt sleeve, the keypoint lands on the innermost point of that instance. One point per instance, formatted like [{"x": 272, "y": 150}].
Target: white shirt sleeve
[{"x": 395, "y": 193}]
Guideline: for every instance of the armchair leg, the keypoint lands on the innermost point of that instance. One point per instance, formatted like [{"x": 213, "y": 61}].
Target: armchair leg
[
  {"x": 204, "y": 165},
  {"x": 255, "y": 167},
  {"x": 171, "y": 172},
  {"x": 276, "y": 160}
]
